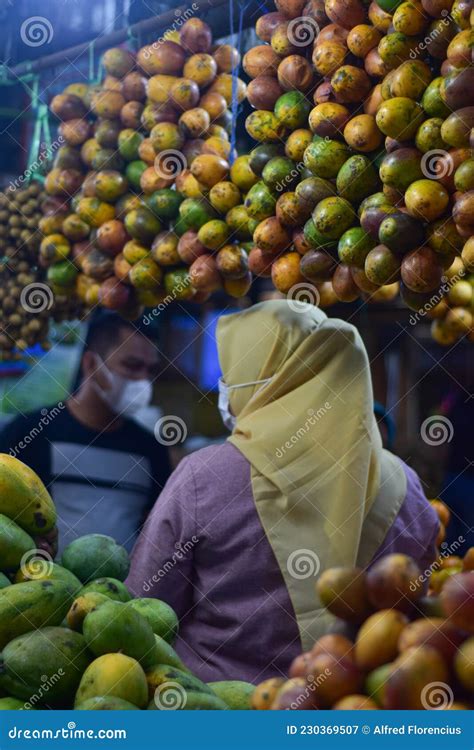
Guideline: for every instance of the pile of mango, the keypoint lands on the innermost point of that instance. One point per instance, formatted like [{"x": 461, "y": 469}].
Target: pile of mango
[
  {"x": 366, "y": 175},
  {"x": 71, "y": 635},
  {"x": 139, "y": 186},
  {"x": 404, "y": 639}
]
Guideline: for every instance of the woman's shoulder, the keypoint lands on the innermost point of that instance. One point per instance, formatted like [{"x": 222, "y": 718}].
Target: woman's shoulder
[{"x": 222, "y": 459}]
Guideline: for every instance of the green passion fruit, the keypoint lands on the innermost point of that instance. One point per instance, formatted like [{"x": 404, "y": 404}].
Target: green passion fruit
[{"x": 332, "y": 216}]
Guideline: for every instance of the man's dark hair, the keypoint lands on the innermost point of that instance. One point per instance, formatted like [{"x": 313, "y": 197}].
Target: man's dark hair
[{"x": 105, "y": 332}]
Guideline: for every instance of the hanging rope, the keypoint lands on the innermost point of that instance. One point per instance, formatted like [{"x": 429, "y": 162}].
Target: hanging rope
[
  {"x": 40, "y": 146},
  {"x": 134, "y": 40},
  {"x": 235, "y": 68},
  {"x": 94, "y": 76}
]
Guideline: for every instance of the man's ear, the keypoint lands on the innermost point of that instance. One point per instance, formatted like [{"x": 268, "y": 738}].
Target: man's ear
[
  {"x": 91, "y": 368},
  {"x": 88, "y": 364}
]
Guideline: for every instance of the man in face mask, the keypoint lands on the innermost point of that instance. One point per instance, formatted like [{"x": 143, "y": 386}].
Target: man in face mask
[{"x": 103, "y": 470}]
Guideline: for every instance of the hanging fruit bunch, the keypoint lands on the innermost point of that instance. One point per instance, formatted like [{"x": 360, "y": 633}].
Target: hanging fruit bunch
[
  {"x": 364, "y": 161},
  {"x": 24, "y": 302},
  {"x": 411, "y": 644},
  {"x": 144, "y": 164}
]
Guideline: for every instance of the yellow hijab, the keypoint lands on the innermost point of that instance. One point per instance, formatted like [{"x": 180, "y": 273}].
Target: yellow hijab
[{"x": 325, "y": 490}]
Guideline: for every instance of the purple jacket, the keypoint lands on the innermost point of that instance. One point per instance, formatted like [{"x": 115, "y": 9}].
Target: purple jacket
[{"x": 203, "y": 550}]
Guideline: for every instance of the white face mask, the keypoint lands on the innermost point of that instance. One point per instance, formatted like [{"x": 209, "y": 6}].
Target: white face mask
[
  {"x": 223, "y": 402},
  {"x": 122, "y": 395}
]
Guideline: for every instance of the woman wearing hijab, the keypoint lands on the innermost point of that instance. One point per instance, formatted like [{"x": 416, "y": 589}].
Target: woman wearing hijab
[{"x": 242, "y": 530}]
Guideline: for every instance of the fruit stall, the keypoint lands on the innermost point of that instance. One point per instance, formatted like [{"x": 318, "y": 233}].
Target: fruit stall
[
  {"x": 405, "y": 646},
  {"x": 194, "y": 162}
]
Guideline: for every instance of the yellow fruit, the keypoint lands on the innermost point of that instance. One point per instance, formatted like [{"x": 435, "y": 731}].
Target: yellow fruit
[
  {"x": 242, "y": 175},
  {"x": 209, "y": 169},
  {"x": 224, "y": 196},
  {"x": 24, "y": 498},
  {"x": 114, "y": 674},
  {"x": 426, "y": 199}
]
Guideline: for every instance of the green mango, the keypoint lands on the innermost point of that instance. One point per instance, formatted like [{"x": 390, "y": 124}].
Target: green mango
[
  {"x": 41, "y": 570},
  {"x": 11, "y": 704},
  {"x": 235, "y": 693},
  {"x": 14, "y": 543},
  {"x": 94, "y": 556},
  {"x": 106, "y": 703},
  {"x": 159, "y": 676},
  {"x": 35, "y": 604},
  {"x": 165, "y": 654},
  {"x": 113, "y": 627},
  {"x": 110, "y": 587},
  {"x": 188, "y": 700},
  {"x": 44, "y": 667},
  {"x": 161, "y": 616}
]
